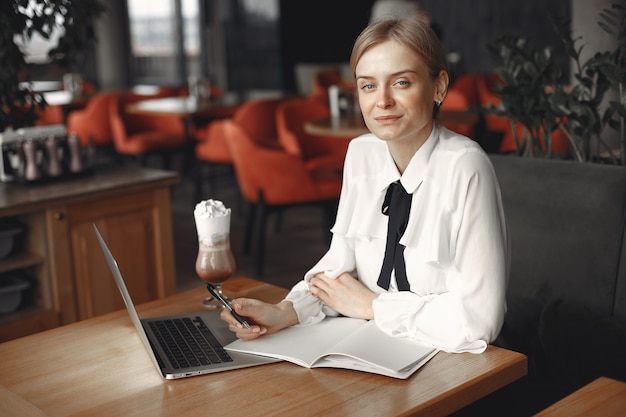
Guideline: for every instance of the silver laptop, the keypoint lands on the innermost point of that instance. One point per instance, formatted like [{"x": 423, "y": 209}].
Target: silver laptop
[{"x": 202, "y": 335}]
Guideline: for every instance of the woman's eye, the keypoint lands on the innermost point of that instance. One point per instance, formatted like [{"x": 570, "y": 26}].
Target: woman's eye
[
  {"x": 402, "y": 83},
  {"x": 367, "y": 86}
]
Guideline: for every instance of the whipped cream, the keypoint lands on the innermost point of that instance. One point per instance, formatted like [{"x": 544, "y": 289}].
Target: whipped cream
[
  {"x": 212, "y": 222},
  {"x": 211, "y": 208}
]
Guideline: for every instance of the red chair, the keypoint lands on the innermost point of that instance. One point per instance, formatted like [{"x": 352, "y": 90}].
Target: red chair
[
  {"x": 257, "y": 119},
  {"x": 273, "y": 179},
  {"x": 467, "y": 84},
  {"x": 486, "y": 85},
  {"x": 93, "y": 123},
  {"x": 54, "y": 114},
  {"x": 319, "y": 153},
  {"x": 325, "y": 78},
  {"x": 50, "y": 115},
  {"x": 139, "y": 135},
  {"x": 456, "y": 101}
]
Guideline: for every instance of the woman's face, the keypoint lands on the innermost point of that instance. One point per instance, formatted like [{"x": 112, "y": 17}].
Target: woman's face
[{"x": 396, "y": 93}]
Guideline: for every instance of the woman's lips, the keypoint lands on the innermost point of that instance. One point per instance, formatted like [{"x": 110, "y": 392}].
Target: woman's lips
[{"x": 384, "y": 120}]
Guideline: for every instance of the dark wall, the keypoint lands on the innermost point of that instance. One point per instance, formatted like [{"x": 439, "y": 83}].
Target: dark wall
[
  {"x": 323, "y": 31},
  {"x": 252, "y": 49},
  {"x": 468, "y": 26},
  {"x": 319, "y": 31}
]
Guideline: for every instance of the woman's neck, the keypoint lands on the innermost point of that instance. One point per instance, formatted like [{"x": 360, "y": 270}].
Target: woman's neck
[{"x": 403, "y": 150}]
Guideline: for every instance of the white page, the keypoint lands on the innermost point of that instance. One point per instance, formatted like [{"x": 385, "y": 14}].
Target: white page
[
  {"x": 342, "y": 343},
  {"x": 372, "y": 345},
  {"x": 345, "y": 362},
  {"x": 300, "y": 344}
]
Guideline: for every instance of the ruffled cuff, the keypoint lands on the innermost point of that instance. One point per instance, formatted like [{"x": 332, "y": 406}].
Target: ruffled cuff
[{"x": 308, "y": 307}]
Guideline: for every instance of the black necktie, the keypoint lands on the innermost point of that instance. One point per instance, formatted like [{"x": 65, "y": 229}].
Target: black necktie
[{"x": 397, "y": 205}]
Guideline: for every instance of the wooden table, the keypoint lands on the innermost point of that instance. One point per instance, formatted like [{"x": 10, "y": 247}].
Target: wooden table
[
  {"x": 41, "y": 86},
  {"x": 193, "y": 113},
  {"x": 61, "y": 256},
  {"x": 188, "y": 108},
  {"x": 353, "y": 126},
  {"x": 98, "y": 367},
  {"x": 604, "y": 397}
]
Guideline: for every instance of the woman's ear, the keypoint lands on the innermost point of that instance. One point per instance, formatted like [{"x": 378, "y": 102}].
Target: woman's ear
[{"x": 441, "y": 86}]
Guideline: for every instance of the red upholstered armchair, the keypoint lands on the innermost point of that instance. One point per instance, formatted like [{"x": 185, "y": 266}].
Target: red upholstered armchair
[
  {"x": 139, "y": 135},
  {"x": 93, "y": 123},
  {"x": 319, "y": 153},
  {"x": 467, "y": 84},
  {"x": 55, "y": 114},
  {"x": 257, "y": 120},
  {"x": 455, "y": 100},
  {"x": 325, "y": 78},
  {"x": 462, "y": 96},
  {"x": 50, "y": 115},
  {"x": 272, "y": 179},
  {"x": 486, "y": 84}
]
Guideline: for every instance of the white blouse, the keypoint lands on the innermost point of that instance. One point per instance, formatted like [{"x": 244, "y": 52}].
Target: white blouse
[{"x": 456, "y": 243}]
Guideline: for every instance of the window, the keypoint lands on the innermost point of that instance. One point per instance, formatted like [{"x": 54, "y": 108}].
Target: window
[
  {"x": 159, "y": 30},
  {"x": 234, "y": 43}
]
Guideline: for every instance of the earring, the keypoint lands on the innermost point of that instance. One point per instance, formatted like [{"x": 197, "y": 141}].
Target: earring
[{"x": 438, "y": 103}]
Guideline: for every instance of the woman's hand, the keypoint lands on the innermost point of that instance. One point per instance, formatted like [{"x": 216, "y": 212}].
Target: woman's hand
[
  {"x": 344, "y": 294},
  {"x": 264, "y": 318}
]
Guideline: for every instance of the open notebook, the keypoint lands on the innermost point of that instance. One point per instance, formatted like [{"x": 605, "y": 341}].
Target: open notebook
[
  {"x": 342, "y": 342},
  {"x": 186, "y": 344}
]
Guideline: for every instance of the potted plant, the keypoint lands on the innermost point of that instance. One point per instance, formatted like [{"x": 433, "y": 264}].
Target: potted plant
[
  {"x": 525, "y": 74},
  {"x": 534, "y": 94},
  {"x": 21, "y": 19}
]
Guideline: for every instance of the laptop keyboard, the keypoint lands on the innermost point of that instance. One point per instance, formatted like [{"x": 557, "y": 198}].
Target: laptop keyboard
[{"x": 188, "y": 342}]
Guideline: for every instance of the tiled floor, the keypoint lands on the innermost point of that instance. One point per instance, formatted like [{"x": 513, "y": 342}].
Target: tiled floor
[{"x": 289, "y": 253}]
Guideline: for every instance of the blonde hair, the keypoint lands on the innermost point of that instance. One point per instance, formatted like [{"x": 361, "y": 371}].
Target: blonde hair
[{"x": 410, "y": 32}]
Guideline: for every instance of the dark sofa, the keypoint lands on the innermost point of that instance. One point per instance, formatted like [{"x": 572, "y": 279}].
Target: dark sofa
[{"x": 567, "y": 289}]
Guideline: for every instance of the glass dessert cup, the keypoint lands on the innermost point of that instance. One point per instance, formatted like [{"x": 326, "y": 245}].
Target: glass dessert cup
[{"x": 215, "y": 264}]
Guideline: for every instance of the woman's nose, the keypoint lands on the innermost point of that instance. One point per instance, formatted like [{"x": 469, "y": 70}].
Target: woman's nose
[{"x": 384, "y": 99}]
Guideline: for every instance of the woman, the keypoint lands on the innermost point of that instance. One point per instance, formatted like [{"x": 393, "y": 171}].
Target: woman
[{"x": 450, "y": 270}]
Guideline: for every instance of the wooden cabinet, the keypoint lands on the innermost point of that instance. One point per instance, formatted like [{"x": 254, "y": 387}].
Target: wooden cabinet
[{"x": 71, "y": 280}]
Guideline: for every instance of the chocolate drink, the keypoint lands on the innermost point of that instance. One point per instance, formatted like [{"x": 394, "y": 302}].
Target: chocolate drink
[{"x": 215, "y": 264}]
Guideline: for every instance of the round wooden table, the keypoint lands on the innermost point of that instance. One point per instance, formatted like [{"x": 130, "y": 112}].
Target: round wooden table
[
  {"x": 184, "y": 107},
  {"x": 192, "y": 112}
]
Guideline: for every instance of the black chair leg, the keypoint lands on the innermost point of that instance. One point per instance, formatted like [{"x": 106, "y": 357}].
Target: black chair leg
[
  {"x": 142, "y": 159},
  {"x": 240, "y": 199},
  {"x": 278, "y": 223},
  {"x": 247, "y": 242},
  {"x": 166, "y": 160},
  {"x": 198, "y": 174},
  {"x": 189, "y": 157},
  {"x": 261, "y": 218},
  {"x": 211, "y": 177}
]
